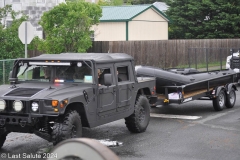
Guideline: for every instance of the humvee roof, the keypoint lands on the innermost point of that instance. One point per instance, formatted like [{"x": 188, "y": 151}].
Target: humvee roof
[{"x": 97, "y": 57}]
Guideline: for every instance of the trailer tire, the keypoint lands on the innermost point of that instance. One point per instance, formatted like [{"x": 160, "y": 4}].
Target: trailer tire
[
  {"x": 71, "y": 127},
  {"x": 220, "y": 101},
  {"x": 2, "y": 139},
  {"x": 139, "y": 120},
  {"x": 231, "y": 99}
]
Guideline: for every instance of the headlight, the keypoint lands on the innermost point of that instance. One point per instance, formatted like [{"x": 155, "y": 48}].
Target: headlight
[
  {"x": 34, "y": 106},
  {"x": 17, "y": 106},
  {"x": 2, "y": 105}
]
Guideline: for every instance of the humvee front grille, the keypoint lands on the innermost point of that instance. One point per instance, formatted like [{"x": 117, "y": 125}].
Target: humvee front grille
[{"x": 23, "y": 92}]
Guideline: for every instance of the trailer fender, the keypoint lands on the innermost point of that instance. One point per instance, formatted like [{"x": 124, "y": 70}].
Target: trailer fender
[
  {"x": 217, "y": 90},
  {"x": 229, "y": 86}
]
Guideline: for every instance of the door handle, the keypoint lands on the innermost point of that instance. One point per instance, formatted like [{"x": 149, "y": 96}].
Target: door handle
[{"x": 101, "y": 90}]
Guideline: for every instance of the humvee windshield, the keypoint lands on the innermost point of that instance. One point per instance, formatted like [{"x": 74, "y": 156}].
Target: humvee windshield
[{"x": 54, "y": 72}]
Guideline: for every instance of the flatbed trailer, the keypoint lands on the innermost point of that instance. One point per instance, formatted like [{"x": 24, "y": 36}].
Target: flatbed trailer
[{"x": 221, "y": 90}]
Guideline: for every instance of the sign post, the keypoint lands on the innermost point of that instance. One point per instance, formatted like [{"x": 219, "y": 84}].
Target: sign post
[{"x": 26, "y": 34}]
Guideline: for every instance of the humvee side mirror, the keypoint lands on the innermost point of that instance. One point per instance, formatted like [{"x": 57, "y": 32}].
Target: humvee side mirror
[
  {"x": 11, "y": 79},
  {"x": 107, "y": 79}
]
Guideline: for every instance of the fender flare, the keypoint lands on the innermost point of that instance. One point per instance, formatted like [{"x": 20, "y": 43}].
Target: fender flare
[
  {"x": 229, "y": 86},
  {"x": 218, "y": 89}
]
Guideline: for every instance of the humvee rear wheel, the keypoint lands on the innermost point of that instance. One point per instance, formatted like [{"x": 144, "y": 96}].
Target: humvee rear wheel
[
  {"x": 138, "y": 121},
  {"x": 219, "y": 101},
  {"x": 2, "y": 139},
  {"x": 70, "y": 127}
]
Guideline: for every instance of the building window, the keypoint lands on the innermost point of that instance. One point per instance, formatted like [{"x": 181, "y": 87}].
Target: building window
[
  {"x": 8, "y": 23},
  {"x": 41, "y": 1},
  {"x": 92, "y": 37}
]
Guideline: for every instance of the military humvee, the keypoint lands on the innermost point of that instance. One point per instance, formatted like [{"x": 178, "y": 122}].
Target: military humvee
[{"x": 55, "y": 95}]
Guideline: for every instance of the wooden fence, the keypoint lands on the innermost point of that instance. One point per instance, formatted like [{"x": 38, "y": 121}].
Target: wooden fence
[
  {"x": 170, "y": 53},
  {"x": 167, "y": 53}
]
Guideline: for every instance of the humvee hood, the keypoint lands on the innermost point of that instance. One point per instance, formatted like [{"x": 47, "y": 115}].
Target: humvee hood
[{"x": 41, "y": 91}]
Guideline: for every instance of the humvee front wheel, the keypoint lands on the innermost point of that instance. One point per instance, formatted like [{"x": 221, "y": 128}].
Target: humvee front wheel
[
  {"x": 70, "y": 127},
  {"x": 2, "y": 139},
  {"x": 138, "y": 121}
]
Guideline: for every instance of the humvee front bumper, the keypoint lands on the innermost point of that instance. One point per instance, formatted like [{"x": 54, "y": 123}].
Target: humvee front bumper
[{"x": 21, "y": 120}]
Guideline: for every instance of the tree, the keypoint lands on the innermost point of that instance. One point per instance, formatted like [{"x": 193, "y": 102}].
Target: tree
[
  {"x": 204, "y": 19},
  {"x": 135, "y": 2},
  {"x": 11, "y": 47},
  {"x": 110, "y": 2},
  {"x": 72, "y": 0},
  {"x": 67, "y": 27}
]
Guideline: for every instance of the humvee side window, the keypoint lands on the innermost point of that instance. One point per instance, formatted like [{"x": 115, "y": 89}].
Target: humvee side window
[
  {"x": 101, "y": 72},
  {"x": 122, "y": 73}
]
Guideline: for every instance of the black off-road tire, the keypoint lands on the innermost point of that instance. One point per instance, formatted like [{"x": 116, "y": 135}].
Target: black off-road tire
[
  {"x": 220, "y": 101},
  {"x": 70, "y": 127},
  {"x": 139, "y": 120},
  {"x": 2, "y": 139},
  {"x": 231, "y": 99}
]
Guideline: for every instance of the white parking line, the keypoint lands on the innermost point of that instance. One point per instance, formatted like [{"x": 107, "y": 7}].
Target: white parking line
[{"x": 174, "y": 116}]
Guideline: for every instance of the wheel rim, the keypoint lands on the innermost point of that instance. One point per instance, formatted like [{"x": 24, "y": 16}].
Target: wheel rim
[
  {"x": 232, "y": 97},
  {"x": 141, "y": 117},
  {"x": 74, "y": 132},
  {"x": 221, "y": 100}
]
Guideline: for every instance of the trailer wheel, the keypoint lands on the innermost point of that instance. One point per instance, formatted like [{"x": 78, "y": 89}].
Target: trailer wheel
[
  {"x": 231, "y": 99},
  {"x": 219, "y": 101},
  {"x": 71, "y": 127},
  {"x": 2, "y": 139},
  {"x": 139, "y": 120}
]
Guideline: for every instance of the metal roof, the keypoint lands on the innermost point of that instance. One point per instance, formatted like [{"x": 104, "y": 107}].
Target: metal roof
[
  {"x": 98, "y": 57},
  {"x": 126, "y": 13}
]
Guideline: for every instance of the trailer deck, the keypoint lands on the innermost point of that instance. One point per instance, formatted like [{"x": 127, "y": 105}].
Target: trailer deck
[{"x": 218, "y": 86}]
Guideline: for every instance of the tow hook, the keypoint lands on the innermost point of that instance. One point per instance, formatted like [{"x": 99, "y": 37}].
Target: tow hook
[
  {"x": 2, "y": 122},
  {"x": 22, "y": 123},
  {"x": 166, "y": 101}
]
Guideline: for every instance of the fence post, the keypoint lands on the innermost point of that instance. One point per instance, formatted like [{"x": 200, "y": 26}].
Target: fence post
[
  {"x": 189, "y": 57},
  {"x": 3, "y": 72},
  {"x": 221, "y": 58},
  {"x": 195, "y": 55},
  {"x": 165, "y": 62},
  {"x": 207, "y": 58}
]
